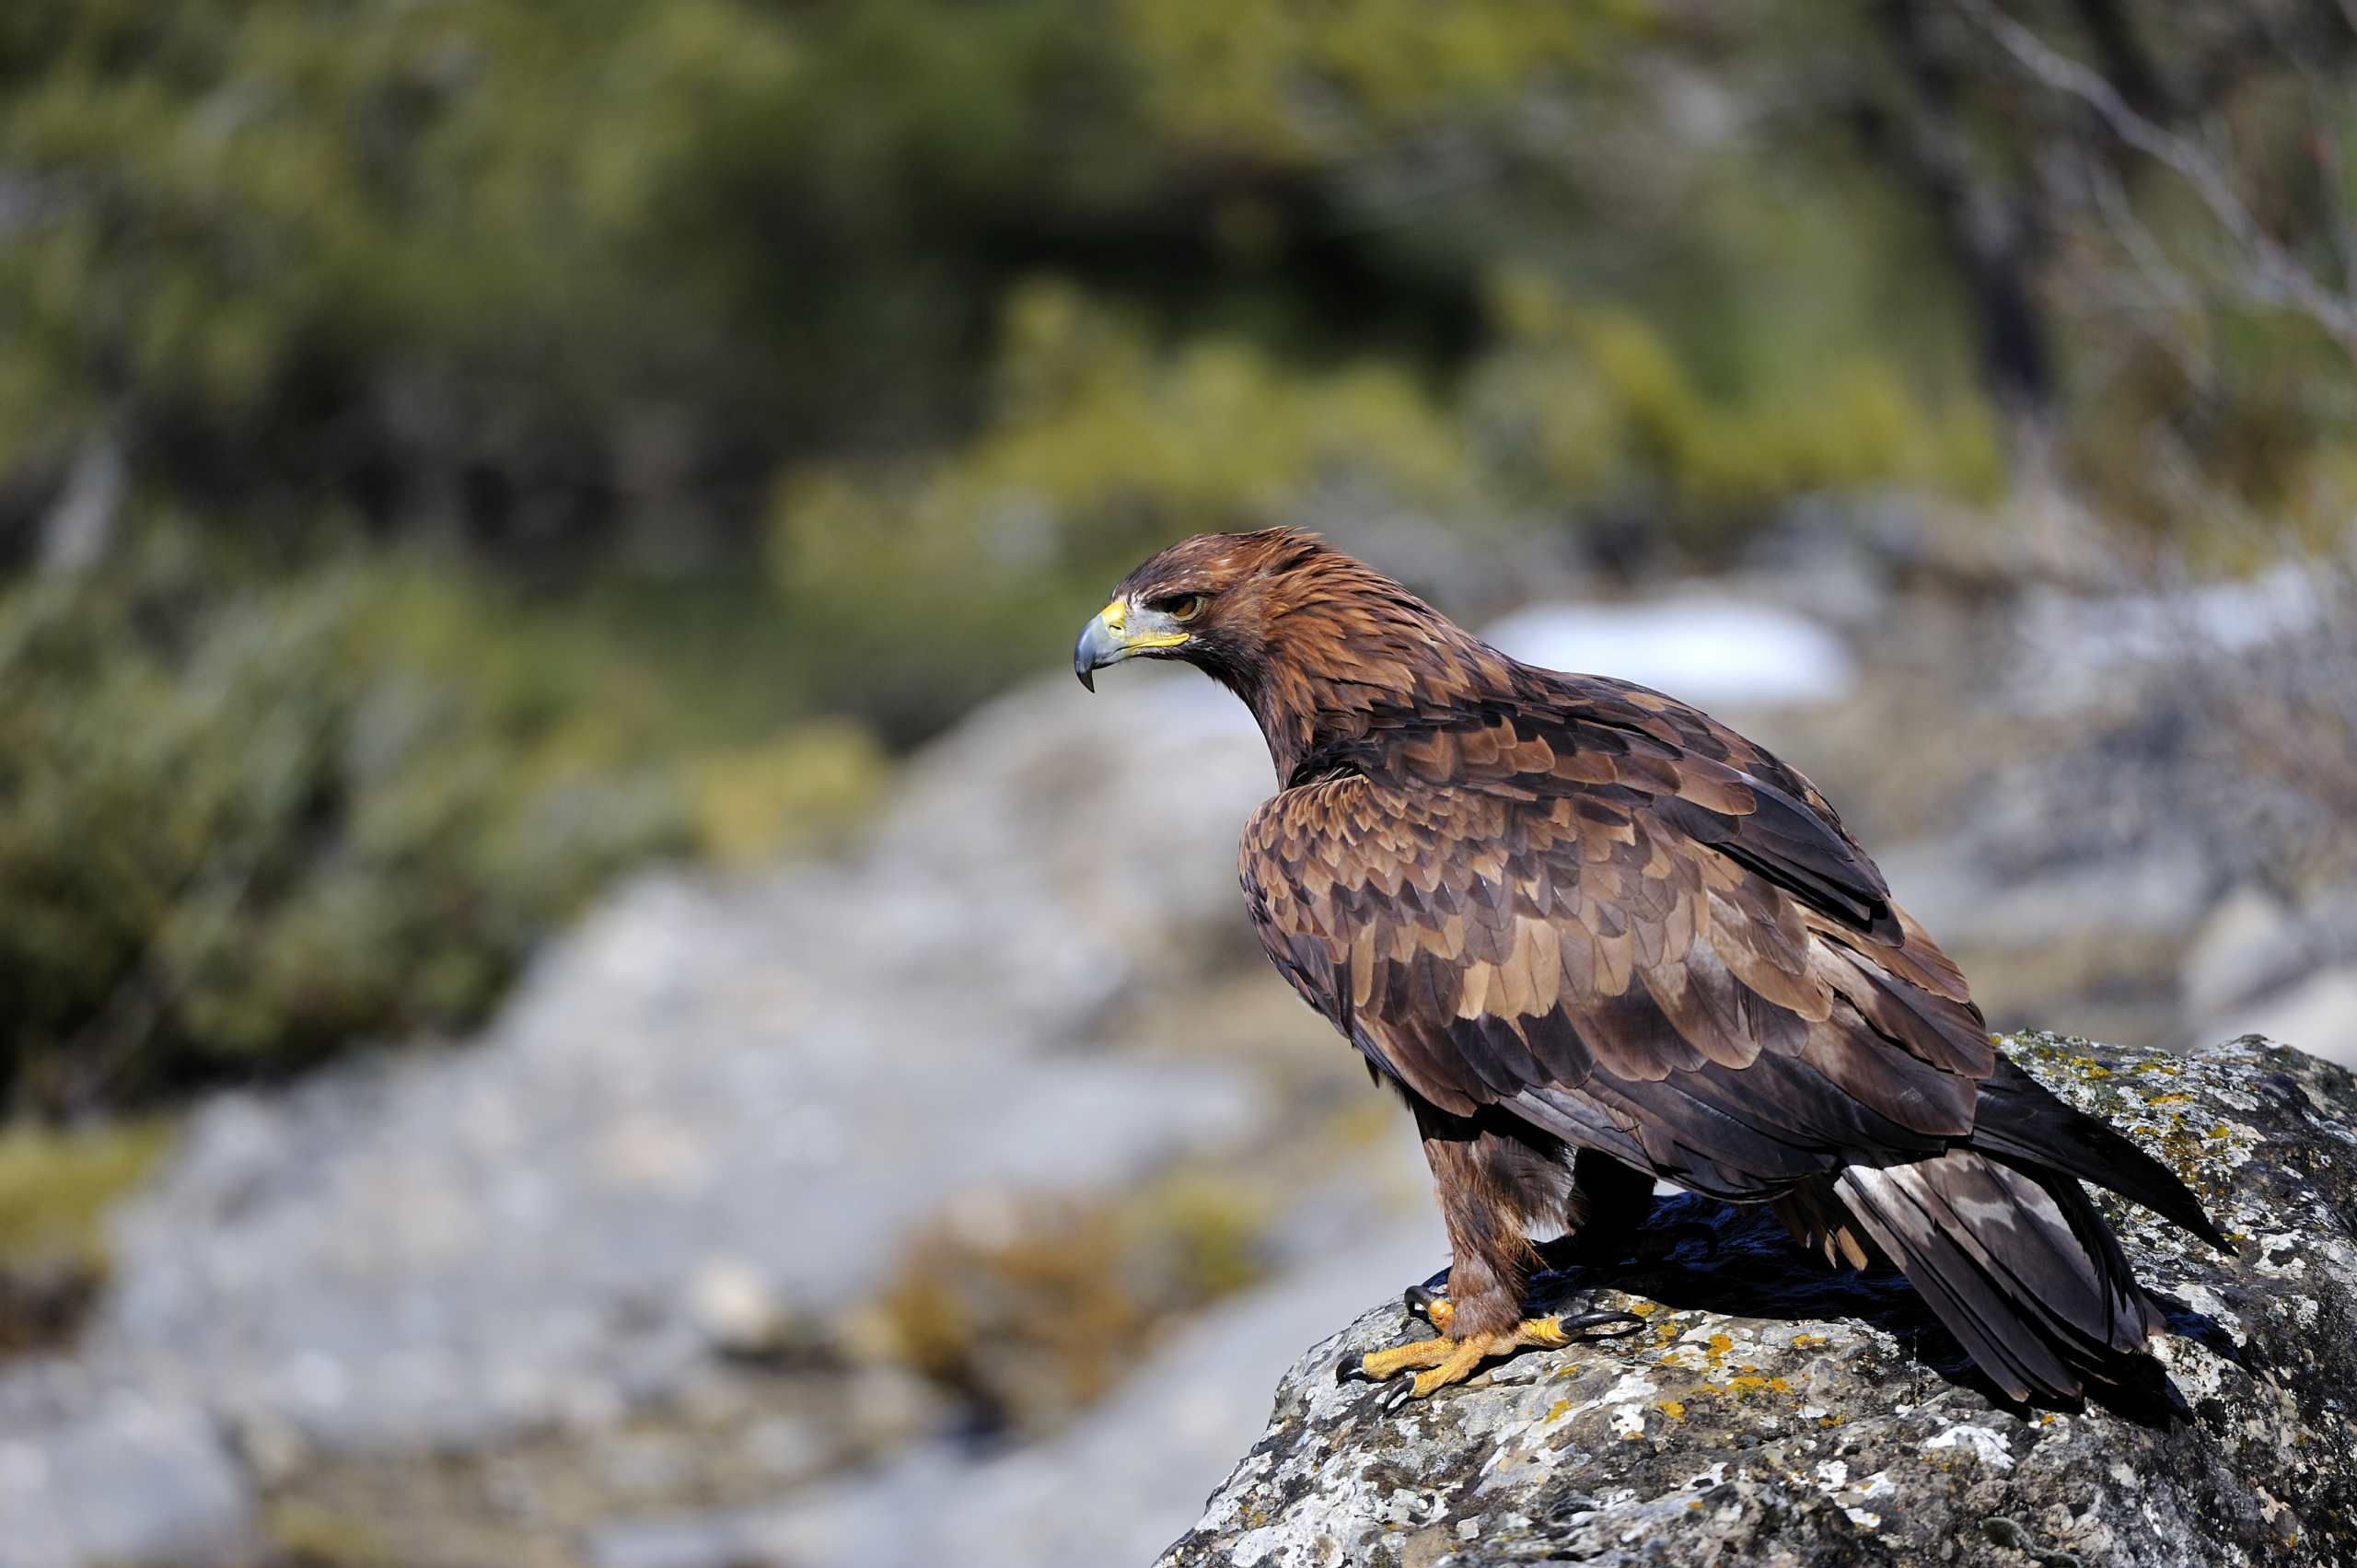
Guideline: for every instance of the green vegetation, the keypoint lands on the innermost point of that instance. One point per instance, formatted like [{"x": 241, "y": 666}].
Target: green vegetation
[
  {"x": 571, "y": 282},
  {"x": 1032, "y": 1309},
  {"x": 805, "y": 790},
  {"x": 55, "y": 1190},
  {"x": 241, "y": 823},
  {"x": 450, "y": 451},
  {"x": 56, "y": 1187},
  {"x": 926, "y": 588},
  {"x": 309, "y": 1535}
]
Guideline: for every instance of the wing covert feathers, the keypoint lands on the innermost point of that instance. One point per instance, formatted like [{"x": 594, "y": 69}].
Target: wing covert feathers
[{"x": 1477, "y": 945}]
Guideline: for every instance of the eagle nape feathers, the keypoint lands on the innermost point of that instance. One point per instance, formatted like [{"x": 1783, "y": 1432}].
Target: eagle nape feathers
[{"x": 1594, "y": 938}]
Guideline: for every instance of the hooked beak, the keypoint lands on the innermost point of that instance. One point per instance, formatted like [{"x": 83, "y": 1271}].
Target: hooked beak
[{"x": 1121, "y": 632}]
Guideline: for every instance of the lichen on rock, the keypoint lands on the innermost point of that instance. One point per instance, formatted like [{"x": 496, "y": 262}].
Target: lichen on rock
[{"x": 1771, "y": 1411}]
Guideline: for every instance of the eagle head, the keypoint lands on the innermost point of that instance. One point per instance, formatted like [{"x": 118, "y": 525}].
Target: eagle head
[
  {"x": 1318, "y": 645},
  {"x": 1210, "y": 600}
]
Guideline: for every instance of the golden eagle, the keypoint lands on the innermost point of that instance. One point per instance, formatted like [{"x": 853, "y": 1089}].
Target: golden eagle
[{"x": 1596, "y": 939}]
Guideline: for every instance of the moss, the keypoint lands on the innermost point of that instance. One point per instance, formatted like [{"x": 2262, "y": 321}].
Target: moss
[
  {"x": 57, "y": 1186},
  {"x": 1026, "y": 1309},
  {"x": 309, "y": 1536},
  {"x": 56, "y": 1190}
]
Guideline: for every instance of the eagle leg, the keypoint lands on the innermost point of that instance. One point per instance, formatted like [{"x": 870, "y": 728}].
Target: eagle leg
[{"x": 1496, "y": 1177}]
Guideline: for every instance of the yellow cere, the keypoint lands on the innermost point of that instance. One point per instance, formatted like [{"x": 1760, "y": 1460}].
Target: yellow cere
[{"x": 1116, "y": 616}]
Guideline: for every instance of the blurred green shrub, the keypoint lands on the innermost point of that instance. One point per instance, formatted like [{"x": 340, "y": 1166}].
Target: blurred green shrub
[
  {"x": 577, "y": 281},
  {"x": 541, "y": 275},
  {"x": 1583, "y": 400},
  {"x": 1232, "y": 73},
  {"x": 918, "y": 589},
  {"x": 242, "y": 823},
  {"x": 56, "y": 1186}
]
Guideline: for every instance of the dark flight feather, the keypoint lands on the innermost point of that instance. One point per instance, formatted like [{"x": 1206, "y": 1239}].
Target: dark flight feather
[
  {"x": 2018, "y": 1120},
  {"x": 1566, "y": 910}
]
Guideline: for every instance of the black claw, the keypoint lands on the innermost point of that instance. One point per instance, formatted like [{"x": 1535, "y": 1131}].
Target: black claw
[
  {"x": 1597, "y": 1319},
  {"x": 1418, "y": 1300},
  {"x": 1406, "y": 1391},
  {"x": 1351, "y": 1368}
]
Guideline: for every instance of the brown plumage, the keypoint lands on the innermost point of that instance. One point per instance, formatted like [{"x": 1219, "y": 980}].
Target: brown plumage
[{"x": 1595, "y": 937}]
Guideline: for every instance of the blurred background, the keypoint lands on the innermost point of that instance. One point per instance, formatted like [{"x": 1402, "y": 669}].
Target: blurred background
[{"x": 577, "y": 987}]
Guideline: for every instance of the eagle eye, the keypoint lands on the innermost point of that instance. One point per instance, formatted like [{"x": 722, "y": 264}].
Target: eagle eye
[{"x": 1180, "y": 607}]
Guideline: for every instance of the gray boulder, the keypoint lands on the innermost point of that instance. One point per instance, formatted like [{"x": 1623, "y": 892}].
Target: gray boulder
[{"x": 1773, "y": 1412}]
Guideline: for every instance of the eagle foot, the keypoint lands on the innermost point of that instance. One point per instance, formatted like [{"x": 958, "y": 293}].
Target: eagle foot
[{"x": 1440, "y": 1362}]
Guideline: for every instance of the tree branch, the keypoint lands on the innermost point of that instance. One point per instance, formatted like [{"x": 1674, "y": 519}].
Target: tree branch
[{"x": 2270, "y": 272}]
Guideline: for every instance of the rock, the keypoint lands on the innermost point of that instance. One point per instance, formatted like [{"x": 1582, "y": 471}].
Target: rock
[
  {"x": 1771, "y": 1411},
  {"x": 717, "y": 1108},
  {"x": 731, "y": 1304},
  {"x": 2248, "y": 945},
  {"x": 1112, "y": 1489},
  {"x": 2092, "y": 942},
  {"x": 1713, "y": 649},
  {"x": 130, "y": 1481}
]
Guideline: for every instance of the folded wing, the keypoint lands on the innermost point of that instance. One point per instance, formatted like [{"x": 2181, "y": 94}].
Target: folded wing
[{"x": 1582, "y": 905}]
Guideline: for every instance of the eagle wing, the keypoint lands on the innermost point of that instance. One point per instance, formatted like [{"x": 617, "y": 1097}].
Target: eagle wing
[{"x": 1612, "y": 916}]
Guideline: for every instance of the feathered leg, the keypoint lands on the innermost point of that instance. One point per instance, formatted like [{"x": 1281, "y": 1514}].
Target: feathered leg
[{"x": 1495, "y": 1183}]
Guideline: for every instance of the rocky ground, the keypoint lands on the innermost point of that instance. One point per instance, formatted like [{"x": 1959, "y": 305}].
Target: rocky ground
[{"x": 1771, "y": 1410}]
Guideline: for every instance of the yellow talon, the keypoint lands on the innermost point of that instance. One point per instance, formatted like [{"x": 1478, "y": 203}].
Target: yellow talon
[
  {"x": 1383, "y": 1364},
  {"x": 1445, "y": 1360},
  {"x": 1464, "y": 1356},
  {"x": 1548, "y": 1333},
  {"x": 1451, "y": 1361}
]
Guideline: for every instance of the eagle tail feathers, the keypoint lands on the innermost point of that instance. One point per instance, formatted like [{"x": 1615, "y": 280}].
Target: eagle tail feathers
[
  {"x": 2017, "y": 1264},
  {"x": 2019, "y": 1119}
]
